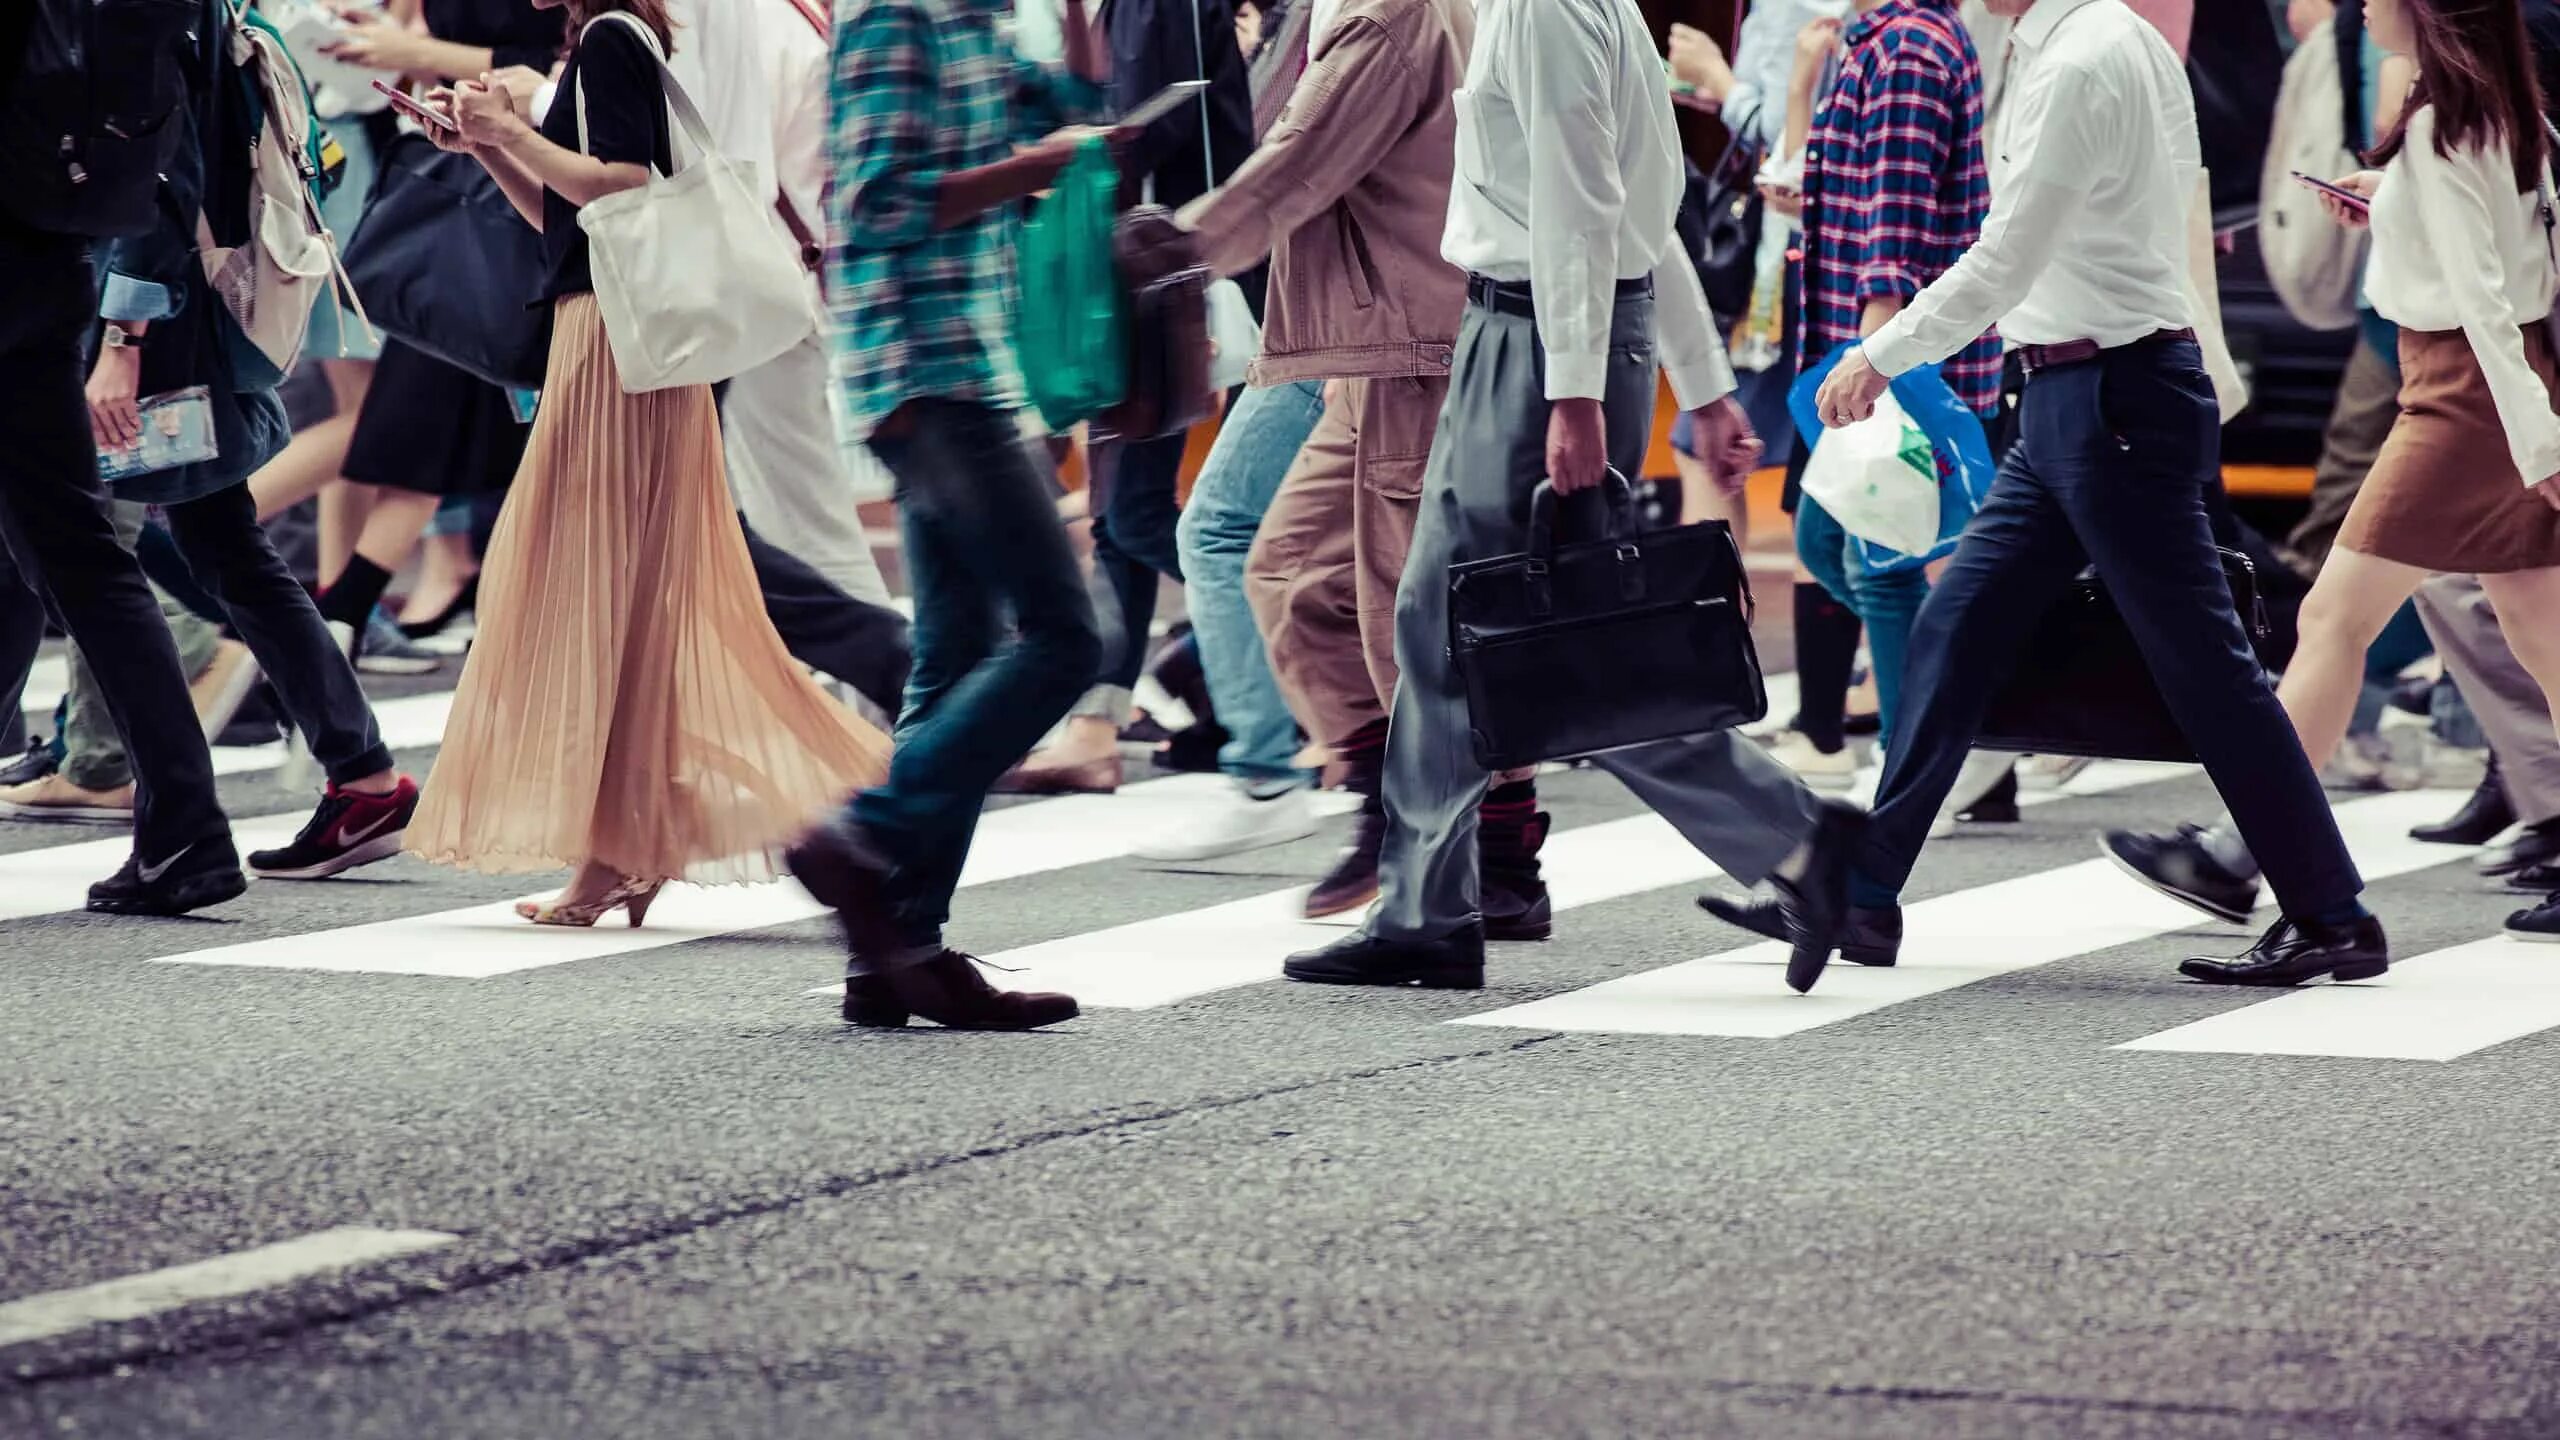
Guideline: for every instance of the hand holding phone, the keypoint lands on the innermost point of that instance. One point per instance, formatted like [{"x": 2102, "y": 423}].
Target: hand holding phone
[
  {"x": 2350, "y": 206},
  {"x": 416, "y": 109}
]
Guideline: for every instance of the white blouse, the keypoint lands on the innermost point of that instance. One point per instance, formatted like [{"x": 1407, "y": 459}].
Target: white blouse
[{"x": 2456, "y": 248}]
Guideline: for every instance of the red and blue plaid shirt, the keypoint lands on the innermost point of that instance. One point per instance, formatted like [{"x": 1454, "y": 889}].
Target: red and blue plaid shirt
[{"x": 1894, "y": 186}]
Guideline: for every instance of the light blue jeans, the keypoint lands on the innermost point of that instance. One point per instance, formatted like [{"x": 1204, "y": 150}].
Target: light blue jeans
[
  {"x": 1886, "y": 603},
  {"x": 1258, "y": 441}
]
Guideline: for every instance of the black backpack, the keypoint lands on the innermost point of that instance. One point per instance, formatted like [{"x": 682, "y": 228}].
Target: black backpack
[{"x": 93, "y": 115}]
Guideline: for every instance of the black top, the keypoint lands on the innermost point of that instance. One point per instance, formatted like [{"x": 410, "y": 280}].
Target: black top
[
  {"x": 626, "y": 124},
  {"x": 1152, "y": 46}
]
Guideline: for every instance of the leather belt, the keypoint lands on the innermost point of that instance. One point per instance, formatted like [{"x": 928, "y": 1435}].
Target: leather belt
[
  {"x": 1511, "y": 297},
  {"x": 2072, "y": 352}
]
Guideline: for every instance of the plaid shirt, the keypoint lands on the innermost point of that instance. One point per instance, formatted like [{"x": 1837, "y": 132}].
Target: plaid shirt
[
  {"x": 1894, "y": 185},
  {"x": 924, "y": 88}
]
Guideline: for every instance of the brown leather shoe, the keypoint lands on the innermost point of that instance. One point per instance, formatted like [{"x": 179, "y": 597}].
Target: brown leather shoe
[
  {"x": 949, "y": 991},
  {"x": 1353, "y": 881},
  {"x": 1093, "y": 777}
]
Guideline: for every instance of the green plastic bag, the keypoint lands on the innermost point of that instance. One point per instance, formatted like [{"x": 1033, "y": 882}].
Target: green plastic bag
[{"x": 1073, "y": 333}]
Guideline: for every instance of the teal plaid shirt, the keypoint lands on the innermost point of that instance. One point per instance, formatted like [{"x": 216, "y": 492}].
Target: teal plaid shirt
[{"x": 923, "y": 88}]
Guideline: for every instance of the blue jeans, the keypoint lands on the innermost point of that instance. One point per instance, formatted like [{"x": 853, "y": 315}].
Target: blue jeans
[
  {"x": 984, "y": 550},
  {"x": 1133, "y": 555},
  {"x": 1257, "y": 443},
  {"x": 1886, "y": 604}
]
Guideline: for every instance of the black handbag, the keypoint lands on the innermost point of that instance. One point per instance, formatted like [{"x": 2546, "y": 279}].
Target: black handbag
[
  {"x": 445, "y": 265},
  {"x": 2080, "y": 686},
  {"x": 1168, "y": 390},
  {"x": 1596, "y": 645},
  {"x": 1719, "y": 225}
]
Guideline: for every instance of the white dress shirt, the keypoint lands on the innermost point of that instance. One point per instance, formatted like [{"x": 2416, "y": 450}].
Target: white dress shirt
[
  {"x": 2087, "y": 237},
  {"x": 1764, "y": 64},
  {"x": 719, "y": 58},
  {"x": 1569, "y": 177},
  {"x": 2455, "y": 247}
]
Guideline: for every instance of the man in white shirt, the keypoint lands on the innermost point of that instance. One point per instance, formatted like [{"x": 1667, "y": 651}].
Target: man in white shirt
[
  {"x": 1568, "y": 175},
  {"x": 2082, "y": 266}
]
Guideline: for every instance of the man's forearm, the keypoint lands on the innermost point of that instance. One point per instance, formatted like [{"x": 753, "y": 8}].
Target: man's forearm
[
  {"x": 1879, "y": 312},
  {"x": 964, "y": 195},
  {"x": 1086, "y": 56}
]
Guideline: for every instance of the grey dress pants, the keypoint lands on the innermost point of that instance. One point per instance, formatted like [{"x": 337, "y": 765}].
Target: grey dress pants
[
  {"x": 2511, "y": 708},
  {"x": 1744, "y": 810}
]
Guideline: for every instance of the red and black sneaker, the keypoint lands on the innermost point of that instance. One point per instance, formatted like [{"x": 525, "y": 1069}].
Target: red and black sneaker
[{"x": 347, "y": 830}]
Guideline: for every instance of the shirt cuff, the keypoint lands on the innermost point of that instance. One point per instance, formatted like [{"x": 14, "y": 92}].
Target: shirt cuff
[
  {"x": 1891, "y": 350},
  {"x": 1696, "y": 384},
  {"x": 128, "y": 300},
  {"x": 1578, "y": 377}
]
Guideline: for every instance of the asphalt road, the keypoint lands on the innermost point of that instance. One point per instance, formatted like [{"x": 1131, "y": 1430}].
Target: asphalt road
[{"x": 683, "y": 1200}]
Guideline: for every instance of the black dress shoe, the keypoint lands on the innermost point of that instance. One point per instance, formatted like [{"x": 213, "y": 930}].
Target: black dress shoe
[
  {"x": 2181, "y": 867},
  {"x": 1452, "y": 962},
  {"x": 837, "y": 864},
  {"x": 1816, "y": 903},
  {"x": 2535, "y": 879},
  {"x": 1871, "y": 936},
  {"x": 1511, "y": 892},
  {"x": 2482, "y": 818},
  {"x": 1998, "y": 805},
  {"x": 2537, "y": 846},
  {"x": 948, "y": 990},
  {"x": 2293, "y": 951}
]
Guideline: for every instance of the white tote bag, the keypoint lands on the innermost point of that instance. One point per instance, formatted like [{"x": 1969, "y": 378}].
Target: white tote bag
[
  {"x": 1879, "y": 479},
  {"x": 694, "y": 276}
]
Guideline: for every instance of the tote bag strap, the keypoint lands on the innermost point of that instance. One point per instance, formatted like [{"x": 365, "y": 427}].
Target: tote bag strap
[
  {"x": 688, "y": 120},
  {"x": 1200, "y": 62}
]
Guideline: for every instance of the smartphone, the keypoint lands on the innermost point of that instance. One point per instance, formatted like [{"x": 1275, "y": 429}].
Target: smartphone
[
  {"x": 1162, "y": 103},
  {"x": 409, "y": 105},
  {"x": 2344, "y": 195}
]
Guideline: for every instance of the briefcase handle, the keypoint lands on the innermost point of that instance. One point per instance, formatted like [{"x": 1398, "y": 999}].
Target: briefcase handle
[{"x": 1619, "y": 522}]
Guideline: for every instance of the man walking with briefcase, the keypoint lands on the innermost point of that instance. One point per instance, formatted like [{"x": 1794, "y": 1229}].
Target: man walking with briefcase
[
  {"x": 1568, "y": 177},
  {"x": 2082, "y": 263}
]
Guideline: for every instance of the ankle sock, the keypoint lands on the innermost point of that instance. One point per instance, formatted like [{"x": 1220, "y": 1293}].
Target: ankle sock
[
  {"x": 1508, "y": 806},
  {"x": 359, "y": 588},
  {"x": 1826, "y": 651},
  {"x": 1869, "y": 894}
]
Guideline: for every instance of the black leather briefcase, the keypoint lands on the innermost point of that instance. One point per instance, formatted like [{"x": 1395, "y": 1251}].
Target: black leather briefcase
[
  {"x": 1595, "y": 645},
  {"x": 2081, "y": 687}
]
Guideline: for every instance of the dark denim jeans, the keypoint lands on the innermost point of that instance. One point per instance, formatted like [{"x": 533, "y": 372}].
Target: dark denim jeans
[
  {"x": 1134, "y": 552},
  {"x": 983, "y": 548}
]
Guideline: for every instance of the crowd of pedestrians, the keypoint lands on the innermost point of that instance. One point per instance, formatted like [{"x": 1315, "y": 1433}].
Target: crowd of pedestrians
[{"x": 1474, "y": 250}]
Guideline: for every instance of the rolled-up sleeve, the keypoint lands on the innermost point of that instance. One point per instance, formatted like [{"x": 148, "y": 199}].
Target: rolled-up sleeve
[
  {"x": 1910, "y": 131},
  {"x": 1565, "y": 76},
  {"x": 880, "y": 136}
]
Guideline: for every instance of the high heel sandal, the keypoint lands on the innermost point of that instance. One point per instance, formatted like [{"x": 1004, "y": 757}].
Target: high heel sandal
[{"x": 631, "y": 896}]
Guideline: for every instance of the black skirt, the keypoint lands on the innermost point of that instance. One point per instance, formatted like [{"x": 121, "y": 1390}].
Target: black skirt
[{"x": 430, "y": 428}]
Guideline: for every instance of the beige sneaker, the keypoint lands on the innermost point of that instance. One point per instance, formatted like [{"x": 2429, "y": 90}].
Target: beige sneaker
[
  {"x": 54, "y": 798},
  {"x": 1837, "y": 770},
  {"x": 226, "y": 682}
]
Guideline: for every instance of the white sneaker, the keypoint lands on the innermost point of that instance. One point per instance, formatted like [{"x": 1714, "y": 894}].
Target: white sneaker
[
  {"x": 1982, "y": 770},
  {"x": 1837, "y": 770},
  {"x": 1238, "y": 823},
  {"x": 2051, "y": 772}
]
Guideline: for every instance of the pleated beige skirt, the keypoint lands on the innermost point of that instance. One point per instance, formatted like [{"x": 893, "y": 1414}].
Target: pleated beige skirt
[{"x": 626, "y": 700}]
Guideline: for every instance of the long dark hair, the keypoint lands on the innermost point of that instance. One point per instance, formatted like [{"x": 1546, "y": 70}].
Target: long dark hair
[
  {"x": 652, "y": 13},
  {"x": 2475, "y": 66}
]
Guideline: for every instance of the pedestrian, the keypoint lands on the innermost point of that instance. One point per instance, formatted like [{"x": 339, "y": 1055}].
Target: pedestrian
[
  {"x": 938, "y": 131},
  {"x": 2468, "y": 480},
  {"x": 1568, "y": 179},
  {"x": 2082, "y": 265},
  {"x": 626, "y": 709},
  {"x": 53, "y": 512}
]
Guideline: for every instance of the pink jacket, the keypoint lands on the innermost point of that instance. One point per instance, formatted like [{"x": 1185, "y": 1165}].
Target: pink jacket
[{"x": 1348, "y": 196}]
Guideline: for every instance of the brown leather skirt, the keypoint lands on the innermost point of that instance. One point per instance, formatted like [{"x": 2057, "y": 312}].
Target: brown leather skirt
[{"x": 2444, "y": 495}]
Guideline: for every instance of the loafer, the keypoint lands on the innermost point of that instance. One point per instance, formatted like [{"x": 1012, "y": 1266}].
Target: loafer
[
  {"x": 1452, "y": 962},
  {"x": 2182, "y": 867},
  {"x": 1872, "y": 936},
  {"x": 2293, "y": 951},
  {"x": 2537, "y": 846},
  {"x": 947, "y": 989},
  {"x": 1816, "y": 903}
]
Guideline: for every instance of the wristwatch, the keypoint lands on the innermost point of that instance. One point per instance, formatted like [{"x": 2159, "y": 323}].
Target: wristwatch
[{"x": 118, "y": 338}]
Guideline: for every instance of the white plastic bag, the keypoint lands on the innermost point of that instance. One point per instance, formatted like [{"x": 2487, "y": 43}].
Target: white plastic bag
[
  {"x": 1879, "y": 479},
  {"x": 1233, "y": 337}
]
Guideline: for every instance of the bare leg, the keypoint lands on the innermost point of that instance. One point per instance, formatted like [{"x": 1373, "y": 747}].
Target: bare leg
[
  {"x": 344, "y": 508},
  {"x": 306, "y": 465},
  {"x": 2528, "y": 606},
  {"x": 447, "y": 565},
  {"x": 391, "y": 532},
  {"x": 2349, "y": 604},
  {"x": 1702, "y": 499}
]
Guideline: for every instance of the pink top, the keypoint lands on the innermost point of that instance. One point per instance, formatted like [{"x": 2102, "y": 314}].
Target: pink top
[{"x": 2176, "y": 19}]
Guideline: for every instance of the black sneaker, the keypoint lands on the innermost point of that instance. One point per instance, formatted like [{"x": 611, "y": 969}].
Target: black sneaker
[
  {"x": 347, "y": 830},
  {"x": 2182, "y": 867},
  {"x": 204, "y": 873},
  {"x": 2539, "y": 925},
  {"x": 27, "y": 769}
]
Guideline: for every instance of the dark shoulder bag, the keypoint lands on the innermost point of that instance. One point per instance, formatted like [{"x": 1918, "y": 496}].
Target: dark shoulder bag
[{"x": 444, "y": 264}]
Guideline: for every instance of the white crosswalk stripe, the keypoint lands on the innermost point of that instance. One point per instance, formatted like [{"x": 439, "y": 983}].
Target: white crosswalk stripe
[{"x": 2438, "y": 1006}]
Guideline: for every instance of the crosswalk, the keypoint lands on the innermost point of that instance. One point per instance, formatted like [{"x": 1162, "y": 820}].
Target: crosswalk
[{"x": 2440, "y": 1006}]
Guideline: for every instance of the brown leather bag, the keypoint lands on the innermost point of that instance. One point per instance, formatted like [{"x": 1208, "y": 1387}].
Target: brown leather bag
[{"x": 1168, "y": 289}]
